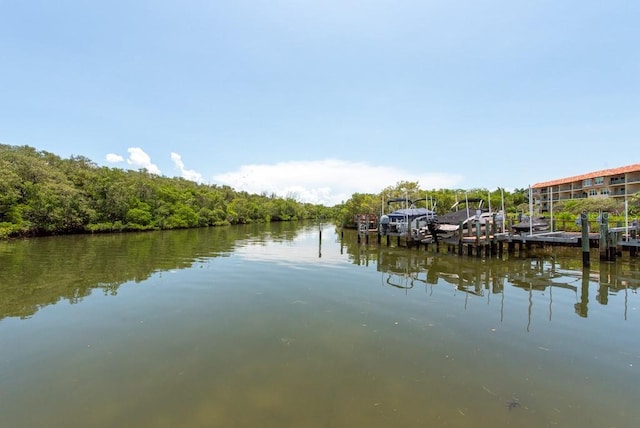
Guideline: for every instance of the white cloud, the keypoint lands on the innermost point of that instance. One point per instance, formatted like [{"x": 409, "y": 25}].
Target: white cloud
[
  {"x": 189, "y": 174},
  {"x": 114, "y": 158},
  {"x": 139, "y": 159},
  {"x": 328, "y": 181}
]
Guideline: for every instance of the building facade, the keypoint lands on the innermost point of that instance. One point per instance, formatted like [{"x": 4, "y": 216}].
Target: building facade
[{"x": 614, "y": 182}]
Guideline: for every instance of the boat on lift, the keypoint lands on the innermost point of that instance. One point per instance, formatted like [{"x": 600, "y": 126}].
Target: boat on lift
[
  {"x": 407, "y": 221},
  {"x": 531, "y": 224},
  {"x": 461, "y": 213}
]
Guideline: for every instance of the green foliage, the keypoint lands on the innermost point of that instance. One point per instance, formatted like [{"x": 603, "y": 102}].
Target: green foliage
[
  {"x": 634, "y": 204},
  {"x": 593, "y": 205},
  {"x": 139, "y": 216},
  {"x": 41, "y": 193},
  {"x": 515, "y": 203},
  {"x": 359, "y": 203}
]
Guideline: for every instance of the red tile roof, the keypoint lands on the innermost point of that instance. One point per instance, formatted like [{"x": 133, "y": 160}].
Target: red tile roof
[{"x": 603, "y": 173}]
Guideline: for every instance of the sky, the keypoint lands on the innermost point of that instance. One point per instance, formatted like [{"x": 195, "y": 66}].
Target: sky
[{"x": 318, "y": 100}]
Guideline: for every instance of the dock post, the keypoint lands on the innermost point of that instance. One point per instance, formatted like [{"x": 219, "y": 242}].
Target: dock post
[
  {"x": 478, "y": 232},
  {"x": 487, "y": 241},
  {"x": 584, "y": 224},
  {"x": 604, "y": 236},
  {"x": 616, "y": 248},
  {"x": 492, "y": 239}
]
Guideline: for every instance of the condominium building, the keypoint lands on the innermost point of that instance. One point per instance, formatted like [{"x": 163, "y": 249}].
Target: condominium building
[{"x": 614, "y": 182}]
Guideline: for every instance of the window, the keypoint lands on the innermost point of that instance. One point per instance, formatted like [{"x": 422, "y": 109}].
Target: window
[
  {"x": 593, "y": 192},
  {"x": 604, "y": 192},
  {"x": 598, "y": 180},
  {"x": 586, "y": 182}
]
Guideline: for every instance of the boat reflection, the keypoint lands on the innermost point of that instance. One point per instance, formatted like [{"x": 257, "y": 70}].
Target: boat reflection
[{"x": 541, "y": 274}]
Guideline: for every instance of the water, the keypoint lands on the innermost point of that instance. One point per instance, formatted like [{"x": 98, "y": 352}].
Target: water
[{"x": 272, "y": 326}]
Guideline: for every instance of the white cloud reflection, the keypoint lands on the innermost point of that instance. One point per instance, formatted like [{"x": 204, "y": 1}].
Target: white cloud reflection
[{"x": 301, "y": 252}]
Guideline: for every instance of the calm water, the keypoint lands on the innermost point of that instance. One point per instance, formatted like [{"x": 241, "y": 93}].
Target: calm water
[{"x": 271, "y": 326}]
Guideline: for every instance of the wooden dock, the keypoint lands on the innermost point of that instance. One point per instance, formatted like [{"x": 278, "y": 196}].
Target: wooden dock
[{"x": 487, "y": 241}]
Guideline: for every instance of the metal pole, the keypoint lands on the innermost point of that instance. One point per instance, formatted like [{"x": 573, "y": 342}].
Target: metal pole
[
  {"x": 530, "y": 212},
  {"x": 466, "y": 200},
  {"x": 551, "y": 208},
  {"x": 504, "y": 213},
  {"x": 626, "y": 218}
]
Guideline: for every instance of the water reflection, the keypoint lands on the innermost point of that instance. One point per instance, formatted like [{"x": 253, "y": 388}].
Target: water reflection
[
  {"x": 540, "y": 273},
  {"x": 39, "y": 272},
  {"x": 35, "y": 273},
  {"x": 263, "y": 326}
]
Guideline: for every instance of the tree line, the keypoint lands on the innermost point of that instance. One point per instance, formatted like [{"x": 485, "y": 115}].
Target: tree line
[
  {"x": 44, "y": 194},
  {"x": 516, "y": 203}
]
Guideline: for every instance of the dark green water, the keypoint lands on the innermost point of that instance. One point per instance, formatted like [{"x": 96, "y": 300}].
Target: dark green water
[{"x": 267, "y": 326}]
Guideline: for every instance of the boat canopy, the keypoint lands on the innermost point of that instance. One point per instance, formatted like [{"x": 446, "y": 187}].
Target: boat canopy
[{"x": 411, "y": 212}]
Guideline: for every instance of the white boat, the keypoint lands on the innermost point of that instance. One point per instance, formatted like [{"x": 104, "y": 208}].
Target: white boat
[{"x": 406, "y": 221}]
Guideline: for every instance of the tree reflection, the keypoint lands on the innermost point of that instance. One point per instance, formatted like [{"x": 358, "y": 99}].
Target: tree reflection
[{"x": 38, "y": 272}]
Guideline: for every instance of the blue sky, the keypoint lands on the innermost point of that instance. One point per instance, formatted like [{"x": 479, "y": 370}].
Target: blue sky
[{"x": 322, "y": 99}]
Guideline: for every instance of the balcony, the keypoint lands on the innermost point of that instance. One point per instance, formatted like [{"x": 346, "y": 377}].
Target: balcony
[{"x": 617, "y": 181}]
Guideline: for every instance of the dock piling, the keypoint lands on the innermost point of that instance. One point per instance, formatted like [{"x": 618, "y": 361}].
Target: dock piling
[
  {"x": 603, "y": 220},
  {"x": 584, "y": 224}
]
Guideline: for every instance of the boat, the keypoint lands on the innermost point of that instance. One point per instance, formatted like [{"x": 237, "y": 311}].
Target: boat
[
  {"x": 536, "y": 224},
  {"x": 461, "y": 213},
  {"x": 407, "y": 221}
]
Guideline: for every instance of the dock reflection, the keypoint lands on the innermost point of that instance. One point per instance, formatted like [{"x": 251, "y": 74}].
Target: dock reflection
[{"x": 406, "y": 269}]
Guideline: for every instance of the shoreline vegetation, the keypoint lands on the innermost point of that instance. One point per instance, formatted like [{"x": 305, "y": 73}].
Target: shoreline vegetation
[{"x": 43, "y": 194}]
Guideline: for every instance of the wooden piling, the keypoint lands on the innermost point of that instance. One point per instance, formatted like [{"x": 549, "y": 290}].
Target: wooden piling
[
  {"x": 604, "y": 236},
  {"x": 584, "y": 224}
]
